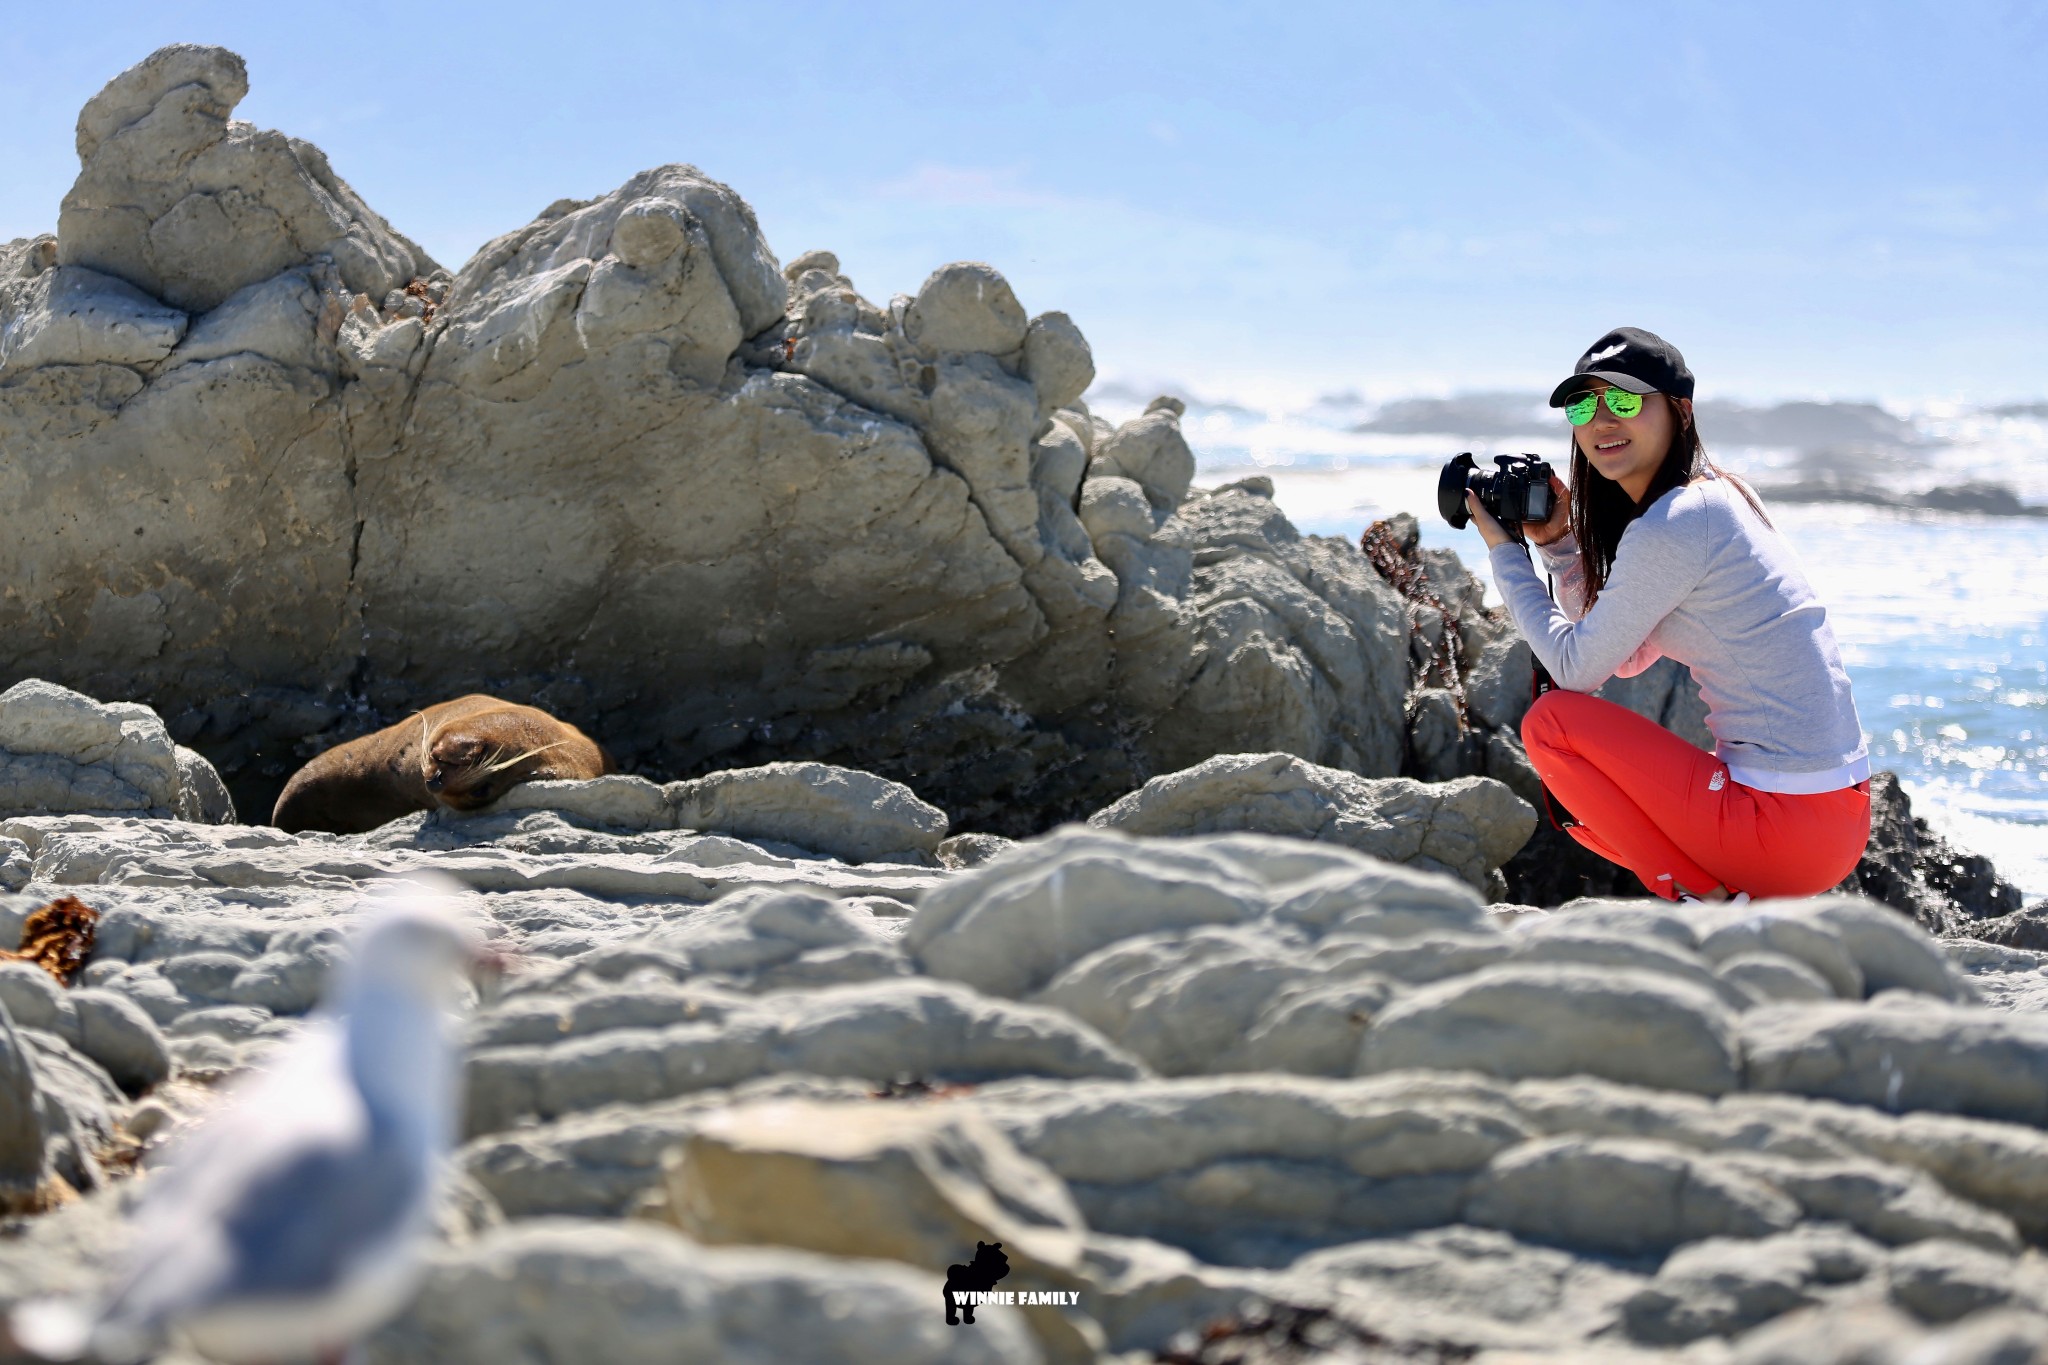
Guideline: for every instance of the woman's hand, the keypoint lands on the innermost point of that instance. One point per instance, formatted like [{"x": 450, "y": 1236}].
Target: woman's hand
[
  {"x": 1489, "y": 530},
  {"x": 1538, "y": 532},
  {"x": 1560, "y": 523}
]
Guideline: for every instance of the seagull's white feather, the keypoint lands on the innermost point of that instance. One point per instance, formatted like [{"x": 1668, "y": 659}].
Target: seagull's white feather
[{"x": 291, "y": 1219}]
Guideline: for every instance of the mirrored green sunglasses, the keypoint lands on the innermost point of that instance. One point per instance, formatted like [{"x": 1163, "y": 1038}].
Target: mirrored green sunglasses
[{"x": 1578, "y": 409}]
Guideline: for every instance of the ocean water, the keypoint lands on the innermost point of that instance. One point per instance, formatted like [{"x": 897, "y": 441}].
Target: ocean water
[{"x": 1942, "y": 617}]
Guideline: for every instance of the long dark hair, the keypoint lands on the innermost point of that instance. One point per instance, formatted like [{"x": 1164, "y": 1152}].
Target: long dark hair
[{"x": 1602, "y": 508}]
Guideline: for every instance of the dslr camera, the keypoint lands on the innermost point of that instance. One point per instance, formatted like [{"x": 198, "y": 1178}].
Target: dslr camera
[{"x": 1518, "y": 491}]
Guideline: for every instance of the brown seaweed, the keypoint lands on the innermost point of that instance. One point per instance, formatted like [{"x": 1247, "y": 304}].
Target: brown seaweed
[
  {"x": 1398, "y": 563},
  {"x": 58, "y": 938}
]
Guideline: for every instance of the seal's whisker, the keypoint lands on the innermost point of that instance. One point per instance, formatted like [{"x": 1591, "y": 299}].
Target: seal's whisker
[{"x": 517, "y": 758}]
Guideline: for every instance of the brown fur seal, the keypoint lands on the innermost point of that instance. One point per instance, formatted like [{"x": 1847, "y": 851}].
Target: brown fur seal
[{"x": 462, "y": 754}]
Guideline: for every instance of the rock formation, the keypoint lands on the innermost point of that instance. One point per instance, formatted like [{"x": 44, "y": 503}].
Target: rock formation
[
  {"x": 277, "y": 473},
  {"x": 63, "y": 751},
  {"x": 1202, "y": 1090},
  {"x": 1467, "y": 826}
]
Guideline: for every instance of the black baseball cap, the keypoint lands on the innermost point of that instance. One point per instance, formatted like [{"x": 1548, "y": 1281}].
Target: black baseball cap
[{"x": 1632, "y": 359}]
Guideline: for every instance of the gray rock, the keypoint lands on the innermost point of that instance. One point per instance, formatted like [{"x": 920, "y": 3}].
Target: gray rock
[
  {"x": 619, "y": 801},
  {"x": 1909, "y": 867},
  {"x": 1184, "y": 1001},
  {"x": 970, "y": 850},
  {"x": 853, "y": 815},
  {"x": 106, "y": 1027},
  {"x": 204, "y": 797},
  {"x": 637, "y": 1294},
  {"x": 1113, "y": 505},
  {"x": 966, "y": 306},
  {"x": 122, "y": 1038},
  {"x": 675, "y": 1042},
  {"x": 1857, "y": 1332},
  {"x": 1622, "y": 1197},
  {"x": 1497, "y": 689},
  {"x": 73, "y": 316},
  {"x": 1941, "y": 1282},
  {"x": 1891, "y": 951},
  {"x": 23, "y": 1160},
  {"x": 1721, "y": 1287},
  {"x": 756, "y": 939},
  {"x": 1947, "y": 1058},
  {"x": 1010, "y": 926},
  {"x": 1774, "y": 977},
  {"x": 76, "y": 1102},
  {"x": 1507, "y": 761},
  {"x": 1255, "y": 1170},
  {"x": 1474, "y": 1284},
  {"x": 184, "y": 202},
  {"x": 1467, "y": 827},
  {"x": 1150, "y": 451},
  {"x": 882, "y": 565},
  {"x": 1555, "y": 1020},
  {"x": 62, "y": 751},
  {"x": 1305, "y": 645},
  {"x": 606, "y": 1162},
  {"x": 1731, "y": 932},
  {"x": 1644, "y": 917},
  {"x": 925, "y": 1184},
  {"x": 1883, "y": 1203},
  {"x": 1563, "y": 941},
  {"x": 1057, "y": 361}
]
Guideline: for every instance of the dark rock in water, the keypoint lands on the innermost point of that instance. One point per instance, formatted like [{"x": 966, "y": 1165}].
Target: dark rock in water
[
  {"x": 1805, "y": 425},
  {"x": 1916, "y": 871},
  {"x": 1990, "y": 499},
  {"x": 1475, "y": 415},
  {"x": 2026, "y": 928},
  {"x": 1830, "y": 488},
  {"x": 1976, "y": 496}
]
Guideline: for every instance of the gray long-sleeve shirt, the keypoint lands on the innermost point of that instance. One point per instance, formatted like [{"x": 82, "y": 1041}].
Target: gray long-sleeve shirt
[{"x": 1700, "y": 577}]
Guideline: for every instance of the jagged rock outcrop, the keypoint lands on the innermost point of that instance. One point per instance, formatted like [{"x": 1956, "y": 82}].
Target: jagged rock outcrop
[
  {"x": 1914, "y": 870},
  {"x": 190, "y": 205},
  {"x": 625, "y": 466}
]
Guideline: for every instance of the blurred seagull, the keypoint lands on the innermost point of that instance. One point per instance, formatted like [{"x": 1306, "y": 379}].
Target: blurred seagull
[{"x": 292, "y": 1221}]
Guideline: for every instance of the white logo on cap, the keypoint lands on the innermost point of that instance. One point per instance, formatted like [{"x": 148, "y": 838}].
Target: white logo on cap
[{"x": 1612, "y": 351}]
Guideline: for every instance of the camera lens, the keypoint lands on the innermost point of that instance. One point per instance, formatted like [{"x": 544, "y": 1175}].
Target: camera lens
[{"x": 1450, "y": 490}]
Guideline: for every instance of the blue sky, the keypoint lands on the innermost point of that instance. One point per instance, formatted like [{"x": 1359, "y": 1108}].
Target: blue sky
[{"x": 1810, "y": 200}]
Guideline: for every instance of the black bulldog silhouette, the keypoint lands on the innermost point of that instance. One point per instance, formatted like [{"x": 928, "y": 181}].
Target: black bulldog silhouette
[{"x": 978, "y": 1276}]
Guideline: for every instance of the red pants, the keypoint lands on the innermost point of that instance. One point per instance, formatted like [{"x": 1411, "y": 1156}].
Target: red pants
[{"x": 1669, "y": 812}]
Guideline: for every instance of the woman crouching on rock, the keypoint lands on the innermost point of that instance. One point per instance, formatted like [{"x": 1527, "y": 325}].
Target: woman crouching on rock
[{"x": 1654, "y": 553}]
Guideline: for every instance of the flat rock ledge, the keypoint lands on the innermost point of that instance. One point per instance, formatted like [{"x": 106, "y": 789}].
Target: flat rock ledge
[{"x": 741, "y": 1102}]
